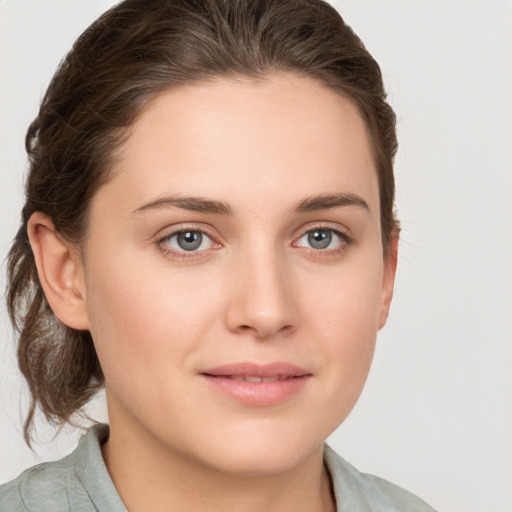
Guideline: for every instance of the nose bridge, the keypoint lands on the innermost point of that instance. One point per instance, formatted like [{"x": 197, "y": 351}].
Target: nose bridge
[{"x": 262, "y": 303}]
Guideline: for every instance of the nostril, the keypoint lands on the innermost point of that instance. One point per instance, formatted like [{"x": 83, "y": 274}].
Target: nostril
[{"x": 265, "y": 331}]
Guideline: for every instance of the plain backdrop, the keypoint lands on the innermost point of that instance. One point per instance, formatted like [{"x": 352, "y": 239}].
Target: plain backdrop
[{"x": 436, "y": 414}]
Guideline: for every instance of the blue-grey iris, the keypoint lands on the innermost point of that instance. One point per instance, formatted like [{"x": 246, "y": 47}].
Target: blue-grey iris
[
  {"x": 319, "y": 238},
  {"x": 189, "y": 240}
]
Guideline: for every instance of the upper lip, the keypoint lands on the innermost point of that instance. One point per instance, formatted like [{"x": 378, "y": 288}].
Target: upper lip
[{"x": 276, "y": 369}]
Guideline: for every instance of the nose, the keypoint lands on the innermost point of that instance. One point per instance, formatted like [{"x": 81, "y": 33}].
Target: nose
[{"x": 262, "y": 303}]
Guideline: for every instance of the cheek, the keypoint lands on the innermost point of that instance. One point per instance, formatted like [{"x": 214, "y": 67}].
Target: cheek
[
  {"x": 344, "y": 318},
  {"x": 146, "y": 317},
  {"x": 346, "y": 301}
]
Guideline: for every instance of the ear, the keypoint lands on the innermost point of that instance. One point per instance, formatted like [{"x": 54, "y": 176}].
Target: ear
[
  {"x": 388, "y": 279},
  {"x": 60, "y": 270}
]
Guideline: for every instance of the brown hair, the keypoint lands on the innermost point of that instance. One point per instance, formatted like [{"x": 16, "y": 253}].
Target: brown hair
[{"x": 134, "y": 51}]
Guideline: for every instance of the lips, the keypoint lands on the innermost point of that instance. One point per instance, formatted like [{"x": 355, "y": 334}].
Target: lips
[
  {"x": 255, "y": 378},
  {"x": 257, "y": 385}
]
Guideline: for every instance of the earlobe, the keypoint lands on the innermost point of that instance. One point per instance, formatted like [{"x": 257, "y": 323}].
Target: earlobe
[
  {"x": 388, "y": 280},
  {"x": 60, "y": 271}
]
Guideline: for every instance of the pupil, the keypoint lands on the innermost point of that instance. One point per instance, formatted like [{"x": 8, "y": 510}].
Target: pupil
[
  {"x": 190, "y": 240},
  {"x": 320, "y": 238}
]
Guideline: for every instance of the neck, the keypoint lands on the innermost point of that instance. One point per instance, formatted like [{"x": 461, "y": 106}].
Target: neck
[{"x": 150, "y": 477}]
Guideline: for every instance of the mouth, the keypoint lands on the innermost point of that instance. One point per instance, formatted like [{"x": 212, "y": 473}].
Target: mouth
[
  {"x": 257, "y": 385},
  {"x": 254, "y": 378}
]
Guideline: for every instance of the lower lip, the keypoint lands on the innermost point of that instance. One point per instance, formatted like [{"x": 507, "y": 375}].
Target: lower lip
[{"x": 258, "y": 393}]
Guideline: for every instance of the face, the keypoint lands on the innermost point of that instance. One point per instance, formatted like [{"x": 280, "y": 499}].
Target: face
[{"x": 234, "y": 274}]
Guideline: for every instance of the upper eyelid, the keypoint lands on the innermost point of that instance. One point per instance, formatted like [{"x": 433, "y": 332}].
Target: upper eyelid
[
  {"x": 174, "y": 233},
  {"x": 321, "y": 228},
  {"x": 161, "y": 241},
  {"x": 346, "y": 238},
  {"x": 173, "y": 230},
  {"x": 328, "y": 226},
  {"x": 169, "y": 231},
  {"x": 343, "y": 236}
]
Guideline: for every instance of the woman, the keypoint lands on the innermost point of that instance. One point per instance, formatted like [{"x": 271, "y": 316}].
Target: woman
[{"x": 209, "y": 234}]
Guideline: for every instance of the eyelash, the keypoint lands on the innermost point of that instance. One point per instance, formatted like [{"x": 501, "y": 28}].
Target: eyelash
[
  {"x": 345, "y": 241},
  {"x": 163, "y": 242}
]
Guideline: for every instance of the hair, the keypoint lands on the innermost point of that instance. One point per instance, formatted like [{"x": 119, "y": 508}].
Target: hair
[{"x": 128, "y": 56}]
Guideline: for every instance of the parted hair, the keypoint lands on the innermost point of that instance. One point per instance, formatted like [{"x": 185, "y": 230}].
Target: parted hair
[{"x": 133, "y": 52}]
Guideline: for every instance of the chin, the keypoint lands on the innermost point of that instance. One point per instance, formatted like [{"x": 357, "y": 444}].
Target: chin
[
  {"x": 262, "y": 451},
  {"x": 263, "y": 462}
]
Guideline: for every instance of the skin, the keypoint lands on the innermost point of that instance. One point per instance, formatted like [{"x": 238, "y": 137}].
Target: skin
[{"x": 256, "y": 290}]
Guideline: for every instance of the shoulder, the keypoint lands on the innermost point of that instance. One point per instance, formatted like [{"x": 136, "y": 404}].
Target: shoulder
[
  {"x": 43, "y": 488},
  {"x": 360, "y": 492},
  {"x": 77, "y": 482}
]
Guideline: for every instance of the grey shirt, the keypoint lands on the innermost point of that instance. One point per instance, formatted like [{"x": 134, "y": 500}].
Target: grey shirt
[{"x": 80, "y": 483}]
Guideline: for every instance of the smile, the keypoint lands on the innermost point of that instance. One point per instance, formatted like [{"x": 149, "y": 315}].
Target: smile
[
  {"x": 257, "y": 385},
  {"x": 255, "y": 378}
]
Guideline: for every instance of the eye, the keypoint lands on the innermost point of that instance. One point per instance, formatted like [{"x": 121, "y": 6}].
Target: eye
[
  {"x": 187, "y": 240},
  {"x": 322, "y": 239}
]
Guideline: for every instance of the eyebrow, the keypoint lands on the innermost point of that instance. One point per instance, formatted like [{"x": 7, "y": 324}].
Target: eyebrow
[
  {"x": 199, "y": 204},
  {"x": 196, "y": 204},
  {"x": 328, "y": 201}
]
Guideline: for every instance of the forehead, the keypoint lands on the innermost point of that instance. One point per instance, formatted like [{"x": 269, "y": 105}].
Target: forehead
[{"x": 249, "y": 141}]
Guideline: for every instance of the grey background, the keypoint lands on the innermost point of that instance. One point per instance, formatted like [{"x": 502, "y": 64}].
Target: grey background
[{"x": 436, "y": 415}]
